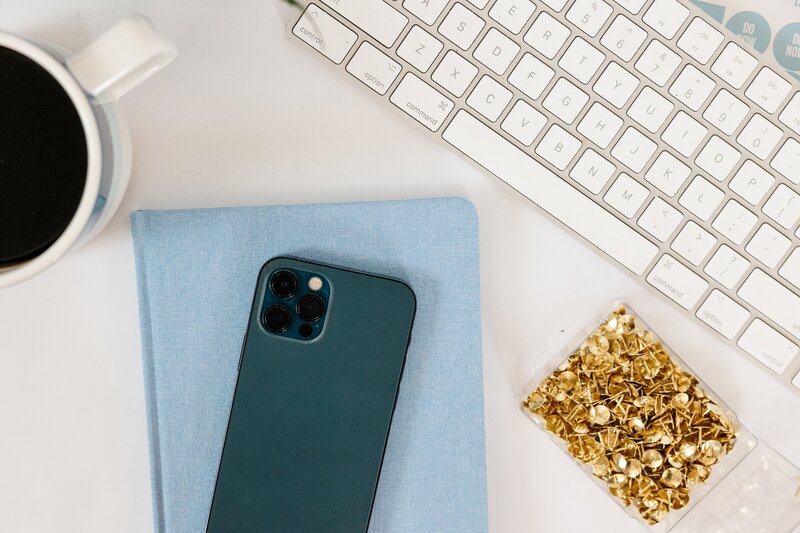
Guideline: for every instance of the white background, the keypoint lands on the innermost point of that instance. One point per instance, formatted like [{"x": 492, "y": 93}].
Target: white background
[{"x": 246, "y": 116}]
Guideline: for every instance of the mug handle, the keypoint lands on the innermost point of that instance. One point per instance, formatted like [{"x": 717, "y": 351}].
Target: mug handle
[{"x": 120, "y": 59}]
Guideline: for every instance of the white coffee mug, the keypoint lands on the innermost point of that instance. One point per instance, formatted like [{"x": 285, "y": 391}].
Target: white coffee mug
[{"x": 116, "y": 62}]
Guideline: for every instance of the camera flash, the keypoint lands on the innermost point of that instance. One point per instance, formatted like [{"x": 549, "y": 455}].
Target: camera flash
[{"x": 315, "y": 283}]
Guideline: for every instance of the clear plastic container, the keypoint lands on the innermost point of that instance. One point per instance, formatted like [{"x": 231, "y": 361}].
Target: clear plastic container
[{"x": 656, "y": 438}]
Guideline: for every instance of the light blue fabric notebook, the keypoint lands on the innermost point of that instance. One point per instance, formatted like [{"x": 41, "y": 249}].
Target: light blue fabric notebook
[{"x": 196, "y": 273}]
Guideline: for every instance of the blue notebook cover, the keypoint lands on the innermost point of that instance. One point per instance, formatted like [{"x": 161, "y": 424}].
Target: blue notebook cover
[{"x": 196, "y": 272}]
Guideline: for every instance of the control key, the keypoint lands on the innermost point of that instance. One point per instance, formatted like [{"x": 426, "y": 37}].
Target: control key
[{"x": 324, "y": 34}]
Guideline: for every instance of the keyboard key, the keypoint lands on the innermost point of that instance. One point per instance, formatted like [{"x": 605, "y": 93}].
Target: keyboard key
[
  {"x": 658, "y": 63},
  {"x": 461, "y": 26},
  {"x": 791, "y": 268},
  {"x": 616, "y": 85},
  {"x": 727, "y": 267},
  {"x": 692, "y": 87},
  {"x": 684, "y": 134},
  {"x": 419, "y": 48},
  {"x": 734, "y": 221},
  {"x": 512, "y": 14},
  {"x": 550, "y": 192},
  {"x": 626, "y": 195},
  {"x": 496, "y": 51},
  {"x": 791, "y": 114},
  {"x": 676, "y": 281},
  {"x": 700, "y": 40},
  {"x": 373, "y": 68},
  {"x": 425, "y": 104},
  {"x": 531, "y": 76},
  {"x": 634, "y": 150},
  {"x": 718, "y": 158},
  {"x": 768, "y": 346},
  {"x": 666, "y": 17},
  {"x": 734, "y": 65},
  {"x": 589, "y": 15},
  {"x": 777, "y": 302},
  {"x": 783, "y": 206},
  {"x": 768, "y": 90},
  {"x": 582, "y": 60},
  {"x": 701, "y": 198},
  {"x": 547, "y": 35},
  {"x": 660, "y": 219},
  {"x": 751, "y": 182},
  {"x": 489, "y": 98},
  {"x": 634, "y": 6},
  {"x": 723, "y": 314},
  {"x": 768, "y": 246},
  {"x": 667, "y": 173},
  {"x": 726, "y": 112},
  {"x": 524, "y": 123},
  {"x": 787, "y": 160},
  {"x": 623, "y": 38},
  {"x": 455, "y": 73},
  {"x": 592, "y": 171},
  {"x": 324, "y": 34},
  {"x": 693, "y": 243},
  {"x": 558, "y": 147},
  {"x": 565, "y": 101},
  {"x": 650, "y": 109},
  {"x": 760, "y": 136},
  {"x": 796, "y": 380},
  {"x": 427, "y": 10},
  {"x": 376, "y": 17},
  {"x": 600, "y": 125}
]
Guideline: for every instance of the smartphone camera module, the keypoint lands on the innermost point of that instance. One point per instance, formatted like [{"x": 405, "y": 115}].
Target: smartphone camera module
[
  {"x": 283, "y": 284},
  {"x": 296, "y": 303}
]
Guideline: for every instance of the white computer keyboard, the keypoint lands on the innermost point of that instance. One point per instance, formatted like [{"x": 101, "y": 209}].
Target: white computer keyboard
[{"x": 641, "y": 125}]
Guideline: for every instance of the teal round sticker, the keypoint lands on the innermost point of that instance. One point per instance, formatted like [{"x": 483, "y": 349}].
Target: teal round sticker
[
  {"x": 787, "y": 46},
  {"x": 751, "y": 28}
]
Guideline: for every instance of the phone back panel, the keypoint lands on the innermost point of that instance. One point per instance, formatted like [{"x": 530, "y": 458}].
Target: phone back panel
[{"x": 310, "y": 420}]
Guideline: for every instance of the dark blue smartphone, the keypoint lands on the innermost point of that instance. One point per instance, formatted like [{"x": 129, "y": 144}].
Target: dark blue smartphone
[{"x": 318, "y": 381}]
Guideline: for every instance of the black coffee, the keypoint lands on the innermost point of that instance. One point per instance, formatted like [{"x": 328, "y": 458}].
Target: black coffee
[{"x": 43, "y": 158}]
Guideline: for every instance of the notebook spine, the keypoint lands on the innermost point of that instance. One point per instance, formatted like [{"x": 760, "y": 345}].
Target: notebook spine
[{"x": 149, "y": 377}]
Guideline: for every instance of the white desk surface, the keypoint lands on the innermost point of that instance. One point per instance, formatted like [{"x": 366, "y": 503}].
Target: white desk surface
[{"x": 245, "y": 116}]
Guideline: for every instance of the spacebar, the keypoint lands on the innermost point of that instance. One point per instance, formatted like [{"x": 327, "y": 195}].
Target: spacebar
[{"x": 550, "y": 192}]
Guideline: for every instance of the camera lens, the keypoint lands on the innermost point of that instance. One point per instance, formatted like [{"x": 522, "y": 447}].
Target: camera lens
[
  {"x": 310, "y": 307},
  {"x": 276, "y": 318},
  {"x": 283, "y": 284}
]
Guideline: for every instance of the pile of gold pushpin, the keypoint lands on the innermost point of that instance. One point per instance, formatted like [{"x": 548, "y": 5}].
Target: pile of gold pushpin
[{"x": 645, "y": 426}]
